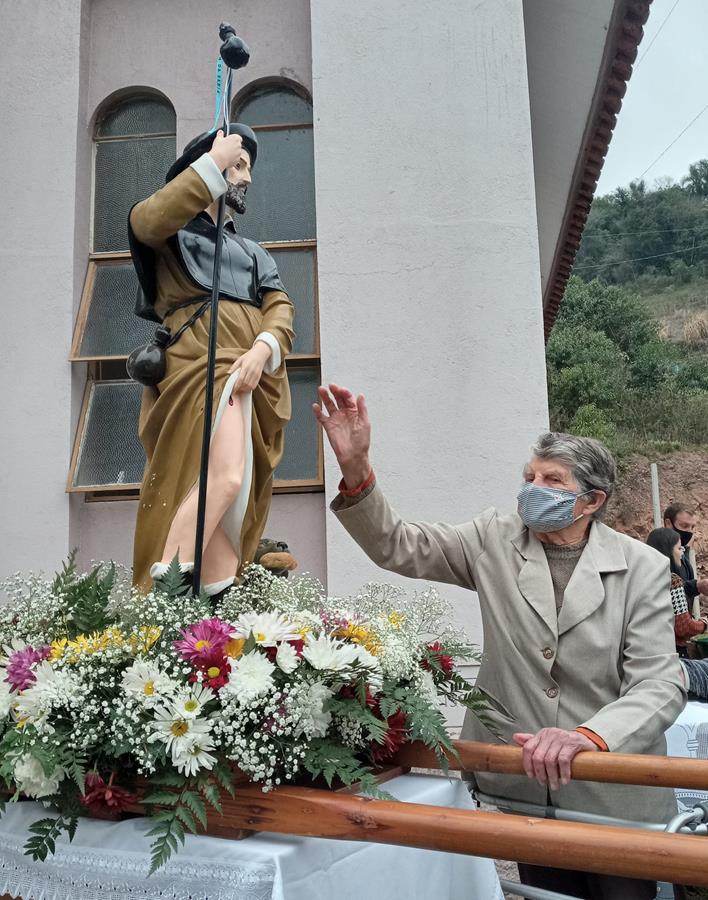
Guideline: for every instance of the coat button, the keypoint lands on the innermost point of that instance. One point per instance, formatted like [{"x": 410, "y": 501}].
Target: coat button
[
  {"x": 552, "y": 692},
  {"x": 548, "y": 653}
]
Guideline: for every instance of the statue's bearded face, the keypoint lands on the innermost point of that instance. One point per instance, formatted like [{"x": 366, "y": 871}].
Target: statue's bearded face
[{"x": 238, "y": 178}]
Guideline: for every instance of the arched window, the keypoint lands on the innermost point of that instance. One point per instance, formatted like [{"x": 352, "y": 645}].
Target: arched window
[
  {"x": 281, "y": 216},
  {"x": 134, "y": 145}
]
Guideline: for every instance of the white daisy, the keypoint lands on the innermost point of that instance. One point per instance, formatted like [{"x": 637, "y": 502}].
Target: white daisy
[
  {"x": 30, "y": 778},
  {"x": 286, "y": 658},
  {"x": 145, "y": 681},
  {"x": 251, "y": 677},
  {"x": 51, "y": 688},
  {"x": 191, "y": 702},
  {"x": 195, "y": 757},
  {"x": 177, "y": 732},
  {"x": 268, "y": 629},
  {"x": 325, "y": 653}
]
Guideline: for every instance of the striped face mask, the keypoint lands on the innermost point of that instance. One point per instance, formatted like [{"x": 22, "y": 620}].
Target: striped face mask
[{"x": 547, "y": 509}]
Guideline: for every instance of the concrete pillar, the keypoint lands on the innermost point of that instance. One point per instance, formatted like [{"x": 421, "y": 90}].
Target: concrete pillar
[{"x": 430, "y": 300}]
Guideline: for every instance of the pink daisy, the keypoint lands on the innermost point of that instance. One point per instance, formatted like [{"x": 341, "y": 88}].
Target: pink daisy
[
  {"x": 19, "y": 672},
  {"x": 203, "y": 639}
]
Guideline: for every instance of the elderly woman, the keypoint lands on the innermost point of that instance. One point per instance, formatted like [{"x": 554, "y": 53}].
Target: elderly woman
[{"x": 578, "y": 627}]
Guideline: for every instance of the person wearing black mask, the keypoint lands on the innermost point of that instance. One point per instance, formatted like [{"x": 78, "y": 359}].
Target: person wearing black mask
[{"x": 683, "y": 520}]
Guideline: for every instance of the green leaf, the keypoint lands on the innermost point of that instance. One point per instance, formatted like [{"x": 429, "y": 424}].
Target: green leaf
[
  {"x": 329, "y": 760},
  {"x": 375, "y": 728},
  {"x": 86, "y": 598},
  {"x": 67, "y": 574},
  {"x": 173, "y": 582},
  {"x": 223, "y": 774},
  {"x": 168, "y": 778},
  {"x": 165, "y": 843},
  {"x": 211, "y": 794},
  {"x": 77, "y": 770},
  {"x": 197, "y": 806},
  {"x": 161, "y": 798},
  {"x": 369, "y": 787},
  {"x": 250, "y": 645},
  {"x": 41, "y": 826},
  {"x": 163, "y": 815},
  {"x": 185, "y": 815},
  {"x": 45, "y": 832},
  {"x": 71, "y": 827},
  {"x": 47, "y": 760},
  {"x": 361, "y": 691},
  {"x": 388, "y": 706}
]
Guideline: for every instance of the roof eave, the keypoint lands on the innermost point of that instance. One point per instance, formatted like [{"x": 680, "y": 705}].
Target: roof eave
[{"x": 624, "y": 36}]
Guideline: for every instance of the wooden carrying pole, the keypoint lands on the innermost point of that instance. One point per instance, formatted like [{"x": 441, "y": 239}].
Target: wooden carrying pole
[
  {"x": 612, "y": 768},
  {"x": 592, "y": 848}
]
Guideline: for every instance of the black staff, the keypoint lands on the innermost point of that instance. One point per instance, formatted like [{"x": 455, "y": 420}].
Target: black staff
[{"x": 235, "y": 55}]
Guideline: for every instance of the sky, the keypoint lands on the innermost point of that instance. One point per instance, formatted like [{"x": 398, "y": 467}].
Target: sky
[{"x": 668, "y": 87}]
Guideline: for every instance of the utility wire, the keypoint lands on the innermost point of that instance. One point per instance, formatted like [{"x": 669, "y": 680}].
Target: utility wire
[
  {"x": 619, "y": 262},
  {"x": 591, "y": 233},
  {"x": 694, "y": 119},
  {"x": 651, "y": 44}
]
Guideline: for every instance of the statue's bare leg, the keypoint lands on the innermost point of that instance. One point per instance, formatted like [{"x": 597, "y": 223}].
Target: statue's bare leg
[
  {"x": 220, "y": 560},
  {"x": 226, "y": 467}
]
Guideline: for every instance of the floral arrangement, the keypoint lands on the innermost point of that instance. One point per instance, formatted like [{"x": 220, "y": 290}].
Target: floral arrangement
[{"x": 105, "y": 692}]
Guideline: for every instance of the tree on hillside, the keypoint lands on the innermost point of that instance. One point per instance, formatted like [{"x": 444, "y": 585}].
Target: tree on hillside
[
  {"x": 611, "y": 376},
  {"x": 635, "y": 230},
  {"x": 696, "y": 182}
]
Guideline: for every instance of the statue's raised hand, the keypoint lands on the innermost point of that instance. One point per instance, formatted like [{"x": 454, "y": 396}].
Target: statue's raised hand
[
  {"x": 226, "y": 150},
  {"x": 346, "y": 424}
]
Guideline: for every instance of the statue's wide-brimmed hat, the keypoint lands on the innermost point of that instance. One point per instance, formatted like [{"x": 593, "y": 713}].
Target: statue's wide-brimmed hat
[{"x": 202, "y": 143}]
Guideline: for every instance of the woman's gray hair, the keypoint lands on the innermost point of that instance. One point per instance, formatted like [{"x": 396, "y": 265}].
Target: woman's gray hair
[{"x": 591, "y": 463}]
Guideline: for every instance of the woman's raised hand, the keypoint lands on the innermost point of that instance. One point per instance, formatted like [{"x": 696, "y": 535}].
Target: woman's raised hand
[{"x": 346, "y": 424}]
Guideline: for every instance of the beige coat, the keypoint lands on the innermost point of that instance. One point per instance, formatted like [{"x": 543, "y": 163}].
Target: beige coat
[{"x": 607, "y": 661}]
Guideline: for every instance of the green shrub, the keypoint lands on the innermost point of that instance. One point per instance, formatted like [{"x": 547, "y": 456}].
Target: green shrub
[
  {"x": 589, "y": 421},
  {"x": 584, "y": 368}
]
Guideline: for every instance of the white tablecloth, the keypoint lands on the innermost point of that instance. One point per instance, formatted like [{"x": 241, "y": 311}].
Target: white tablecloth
[
  {"x": 688, "y": 736},
  {"x": 108, "y": 861}
]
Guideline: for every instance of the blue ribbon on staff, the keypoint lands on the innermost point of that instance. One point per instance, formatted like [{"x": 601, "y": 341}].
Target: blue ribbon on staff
[{"x": 219, "y": 91}]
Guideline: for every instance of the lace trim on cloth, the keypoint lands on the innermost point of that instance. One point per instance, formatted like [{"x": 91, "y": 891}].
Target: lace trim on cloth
[{"x": 85, "y": 874}]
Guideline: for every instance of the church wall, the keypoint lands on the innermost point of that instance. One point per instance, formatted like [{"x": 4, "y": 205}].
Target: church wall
[{"x": 40, "y": 79}]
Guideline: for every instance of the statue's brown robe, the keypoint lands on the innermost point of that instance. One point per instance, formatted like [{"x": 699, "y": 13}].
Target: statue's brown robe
[{"x": 172, "y": 414}]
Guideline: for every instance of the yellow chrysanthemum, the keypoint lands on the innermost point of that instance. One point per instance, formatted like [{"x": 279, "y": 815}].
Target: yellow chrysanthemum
[
  {"x": 396, "y": 618},
  {"x": 357, "y": 634},
  {"x": 234, "y": 647},
  {"x": 142, "y": 641},
  {"x": 57, "y": 649}
]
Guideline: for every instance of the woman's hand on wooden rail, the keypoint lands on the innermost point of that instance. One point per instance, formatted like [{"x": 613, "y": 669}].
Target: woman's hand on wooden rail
[{"x": 547, "y": 755}]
